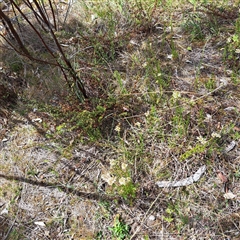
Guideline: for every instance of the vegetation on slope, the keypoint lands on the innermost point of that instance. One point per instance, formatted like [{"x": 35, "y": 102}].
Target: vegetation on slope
[{"x": 162, "y": 86}]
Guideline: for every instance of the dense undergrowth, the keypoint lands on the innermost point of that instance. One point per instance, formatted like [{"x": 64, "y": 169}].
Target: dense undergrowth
[{"x": 162, "y": 80}]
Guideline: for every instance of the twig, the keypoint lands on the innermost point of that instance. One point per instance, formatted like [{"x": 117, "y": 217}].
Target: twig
[
  {"x": 145, "y": 216},
  {"x": 10, "y": 229}
]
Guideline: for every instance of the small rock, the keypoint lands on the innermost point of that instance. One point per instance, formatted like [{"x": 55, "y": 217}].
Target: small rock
[
  {"x": 41, "y": 224},
  {"x": 151, "y": 218},
  {"x": 37, "y": 120}
]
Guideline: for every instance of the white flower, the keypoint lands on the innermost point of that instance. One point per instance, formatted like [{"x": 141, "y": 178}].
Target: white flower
[
  {"x": 113, "y": 162},
  {"x": 202, "y": 140},
  {"x": 144, "y": 45},
  {"x": 176, "y": 94},
  {"x": 108, "y": 178},
  {"x": 229, "y": 39},
  {"x": 138, "y": 124},
  {"x": 229, "y": 195},
  {"x": 215, "y": 135},
  {"x": 208, "y": 118},
  {"x": 117, "y": 128},
  {"x": 237, "y": 50},
  {"x": 123, "y": 181},
  {"x": 124, "y": 166},
  {"x": 146, "y": 113},
  {"x": 111, "y": 181}
]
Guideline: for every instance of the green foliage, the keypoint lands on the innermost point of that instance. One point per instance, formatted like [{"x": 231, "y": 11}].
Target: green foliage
[
  {"x": 32, "y": 172},
  {"x": 210, "y": 84},
  {"x": 198, "y": 148},
  {"x": 154, "y": 72},
  {"x": 237, "y": 174},
  {"x": 16, "y": 234},
  {"x": 61, "y": 128},
  {"x": 89, "y": 122},
  {"x": 232, "y": 50},
  {"x": 120, "y": 82},
  {"x": 120, "y": 230},
  {"x": 120, "y": 180},
  {"x": 99, "y": 235},
  {"x": 14, "y": 62},
  {"x": 180, "y": 122},
  {"x": 200, "y": 25},
  {"x": 173, "y": 213},
  {"x": 128, "y": 190},
  {"x": 16, "y": 66},
  {"x": 169, "y": 213},
  {"x": 193, "y": 25},
  {"x": 158, "y": 119}
]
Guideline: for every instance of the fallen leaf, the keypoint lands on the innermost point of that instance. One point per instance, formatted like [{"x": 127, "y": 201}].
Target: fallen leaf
[
  {"x": 222, "y": 177},
  {"x": 230, "y": 146},
  {"x": 229, "y": 195},
  {"x": 237, "y": 129},
  {"x": 4, "y": 211},
  {"x": 184, "y": 182}
]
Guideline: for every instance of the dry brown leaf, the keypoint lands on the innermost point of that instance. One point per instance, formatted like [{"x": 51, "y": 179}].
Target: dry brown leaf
[
  {"x": 237, "y": 129},
  {"x": 229, "y": 195},
  {"x": 222, "y": 177}
]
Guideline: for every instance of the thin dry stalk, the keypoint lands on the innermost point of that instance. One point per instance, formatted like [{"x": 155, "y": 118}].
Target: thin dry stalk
[{"x": 41, "y": 16}]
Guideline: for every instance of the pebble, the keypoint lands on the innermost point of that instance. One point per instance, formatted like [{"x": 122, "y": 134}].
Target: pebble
[{"x": 151, "y": 218}]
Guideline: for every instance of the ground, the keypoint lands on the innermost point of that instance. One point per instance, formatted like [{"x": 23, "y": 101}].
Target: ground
[{"x": 162, "y": 81}]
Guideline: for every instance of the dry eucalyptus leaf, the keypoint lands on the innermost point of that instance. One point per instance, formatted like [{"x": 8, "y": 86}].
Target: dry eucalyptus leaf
[
  {"x": 222, "y": 177},
  {"x": 230, "y": 109},
  {"x": 236, "y": 128},
  {"x": 230, "y": 146},
  {"x": 229, "y": 195},
  {"x": 184, "y": 182}
]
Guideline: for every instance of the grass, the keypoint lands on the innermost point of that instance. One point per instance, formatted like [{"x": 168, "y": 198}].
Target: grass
[
  {"x": 163, "y": 85},
  {"x": 120, "y": 230}
]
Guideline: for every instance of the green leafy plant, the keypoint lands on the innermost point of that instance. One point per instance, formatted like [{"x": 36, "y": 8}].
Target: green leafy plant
[
  {"x": 89, "y": 122},
  {"x": 120, "y": 181},
  {"x": 237, "y": 174},
  {"x": 120, "y": 230},
  {"x": 232, "y": 50},
  {"x": 128, "y": 190},
  {"x": 169, "y": 214},
  {"x": 210, "y": 84},
  {"x": 193, "y": 25},
  {"x": 198, "y": 148}
]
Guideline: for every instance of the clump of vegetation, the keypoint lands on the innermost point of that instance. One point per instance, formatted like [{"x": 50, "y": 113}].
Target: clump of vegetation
[
  {"x": 159, "y": 88},
  {"x": 120, "y": 230}
]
